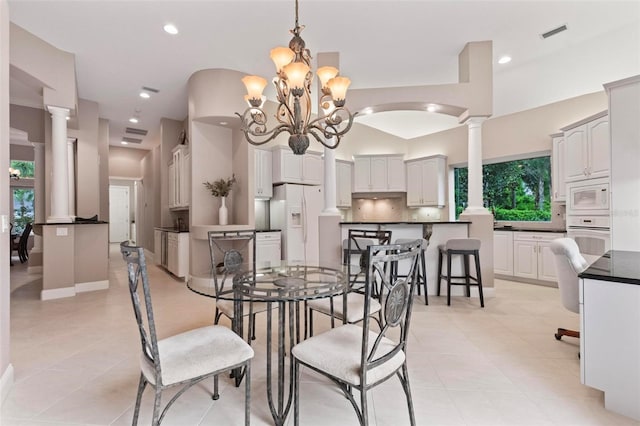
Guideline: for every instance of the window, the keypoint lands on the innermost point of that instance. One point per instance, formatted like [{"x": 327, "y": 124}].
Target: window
[
  {"x": 517, "y": 190},
  {"x": 23, "y": 209}
]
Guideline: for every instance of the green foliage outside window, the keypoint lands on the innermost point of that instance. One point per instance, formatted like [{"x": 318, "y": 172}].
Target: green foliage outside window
[
  {"x": 27, "y": 168},
  {"x": 22, "y": 208},
  {"x": 514, "y": 190}
]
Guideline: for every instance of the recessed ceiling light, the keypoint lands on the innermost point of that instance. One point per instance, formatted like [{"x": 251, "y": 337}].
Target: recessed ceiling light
[
  {"x": 431, "y": 108},
  {"x": 133, "y": 120},
  {"x": 171, "y": 29},
  {"x": 145, "y": 95},
  {"x": 124, "y": 143},
  {"x": 68, "y": 118},
  {"x": 223, "y": 123},
  {"x": 368, "y": 111},
  {"x": 504, "y": 59}
]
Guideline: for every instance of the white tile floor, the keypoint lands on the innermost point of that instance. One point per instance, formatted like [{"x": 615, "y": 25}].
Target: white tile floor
[{"x": 76, "y": 363}]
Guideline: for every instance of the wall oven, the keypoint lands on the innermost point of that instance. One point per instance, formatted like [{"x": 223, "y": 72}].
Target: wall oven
[{"x": 590, "y": 197}]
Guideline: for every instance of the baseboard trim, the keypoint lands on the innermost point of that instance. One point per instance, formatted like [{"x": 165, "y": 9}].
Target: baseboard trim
[
  {"x": 57, "y": 293},
  {"x": 92, "y": 286},
  {"x": 34, "y": 269},
  {"x": 6, "y": 383}
]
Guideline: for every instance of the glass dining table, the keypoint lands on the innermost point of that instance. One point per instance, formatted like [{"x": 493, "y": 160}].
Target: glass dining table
[{"x": 285, "y": 285}]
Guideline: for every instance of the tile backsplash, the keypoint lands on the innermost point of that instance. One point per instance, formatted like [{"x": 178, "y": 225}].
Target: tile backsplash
[{"x": 392, "y": 210}]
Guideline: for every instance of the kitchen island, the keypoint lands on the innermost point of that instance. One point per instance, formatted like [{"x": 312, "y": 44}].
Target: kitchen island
[
  {"x": 610, "y": 330},
  {"x": 435, "y": 233}
]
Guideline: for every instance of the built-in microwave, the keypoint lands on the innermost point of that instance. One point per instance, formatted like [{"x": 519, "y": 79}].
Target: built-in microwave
[{"x": 588, "y": 197}]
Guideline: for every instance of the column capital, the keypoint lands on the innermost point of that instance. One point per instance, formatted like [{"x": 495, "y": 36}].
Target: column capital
[
  {"x": 472, "y": 122},
  {"x": 71, "y": 141},
  {"x": 37, "y": 145},
  {"x": 58, "y": 111}
]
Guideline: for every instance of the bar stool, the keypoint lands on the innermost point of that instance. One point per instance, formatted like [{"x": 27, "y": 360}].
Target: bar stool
[
  {"x": 422, "y": 269},
  {"x": 466, "y": 247}
]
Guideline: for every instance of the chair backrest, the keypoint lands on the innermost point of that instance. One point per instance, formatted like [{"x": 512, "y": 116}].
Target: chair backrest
[
  {"x": 569, "y": 263},
  {"x": 137, "y": 274},
  {"x": 357, "y": 243},
  {"x": 396, "y": 297},
  {"x": 24, "y": 238},
  {"x": 232, "y": 252}
]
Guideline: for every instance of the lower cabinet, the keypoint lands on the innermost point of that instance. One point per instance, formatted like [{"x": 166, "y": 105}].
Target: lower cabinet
[
  {"x": 503, "y": 252},
  {"x": 525, "y": 254},
  {"x": 268, "y": 247},
  {"x": 532, "y": 256},
  {"x": 178, "y": 253}
]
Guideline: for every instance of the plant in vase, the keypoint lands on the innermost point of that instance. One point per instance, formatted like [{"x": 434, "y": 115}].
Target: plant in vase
[{"x": 221, "y": 188}]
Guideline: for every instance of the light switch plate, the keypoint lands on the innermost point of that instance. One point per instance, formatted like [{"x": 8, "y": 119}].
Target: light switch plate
[
  {"x": 4, "y": 223},
  {"x": 62, "y": 232}
]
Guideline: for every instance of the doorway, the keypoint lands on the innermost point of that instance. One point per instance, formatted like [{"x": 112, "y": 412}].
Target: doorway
[{"x": 119, "y": 216}]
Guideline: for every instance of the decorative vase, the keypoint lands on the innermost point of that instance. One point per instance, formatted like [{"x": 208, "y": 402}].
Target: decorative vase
[{"x": 223, "y": 214}]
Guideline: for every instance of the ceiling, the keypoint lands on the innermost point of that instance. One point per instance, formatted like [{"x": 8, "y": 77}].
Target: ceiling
[{"x": 120, "y": 46}]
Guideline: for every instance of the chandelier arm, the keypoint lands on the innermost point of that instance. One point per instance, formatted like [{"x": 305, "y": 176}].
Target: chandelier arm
[
  {"x": 322, "y": 139},
  {"x": 251, "y": 127}
]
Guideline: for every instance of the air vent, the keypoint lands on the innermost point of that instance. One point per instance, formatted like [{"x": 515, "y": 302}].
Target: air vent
[
  {"x": 135, "y": 131},
  {"x": 131, "y": 140},
  {"x": 150, "y": 89},
  {"x": 554, "y": 31}
]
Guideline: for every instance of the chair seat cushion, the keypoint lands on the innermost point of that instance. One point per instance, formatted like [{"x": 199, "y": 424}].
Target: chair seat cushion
[
  {"x": 226, "y": 307},
  {"x": 338, "y": 352},
  {"x": 195, "y": 353},
  {"x": 355, "y": 307}
]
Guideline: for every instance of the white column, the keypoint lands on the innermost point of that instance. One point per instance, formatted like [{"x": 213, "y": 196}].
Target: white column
[
  {"x": 474, "y": 190},
  {"x": 330, "y": 180},
  {"x": 38, "y": 191},
  {"x": 72, "y": 176},
  {"x": 59, "y": 166}
]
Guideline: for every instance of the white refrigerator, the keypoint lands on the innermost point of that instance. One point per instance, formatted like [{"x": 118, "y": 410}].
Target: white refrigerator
[{"x": 294, "y": 209}]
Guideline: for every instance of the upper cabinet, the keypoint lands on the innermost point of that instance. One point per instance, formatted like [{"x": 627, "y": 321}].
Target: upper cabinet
[
  {"x": 180, "y": 178},
  {"x": 379, "y": 173},
  {"x": 426, "y": 179},
  {"x": 343, "y": 183},
  {"x": 558, "y": 174},
  {"x": 263, "y": 187},
  {"x": 291, "y": 168},
  {"x": 587, "y": 148}
]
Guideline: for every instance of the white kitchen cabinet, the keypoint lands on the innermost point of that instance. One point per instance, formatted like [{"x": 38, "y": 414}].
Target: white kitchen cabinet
[
  {"x": 268, "y": 247},
  {"x": 379, "y": 173},
  {"x": 532, "y": 256},
  {"x": 503, "y": 252},
  {"x": 291, "y": 168},
  {"x": 263, "y": 185},
  {"x": 178, "y": 253},
  {"x": 180, "y": 178},
  {"x": 157, "y": 246},
  {"x": 343, "y": 183},
  {"x": 588, "y": 148},
  {"x": 558, "y": 174},
  {"x": 426, "y": 179}
]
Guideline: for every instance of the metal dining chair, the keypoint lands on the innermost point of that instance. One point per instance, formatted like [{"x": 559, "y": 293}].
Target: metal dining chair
[
  {"x": 363, "y": 357},
  {"x": 349, "y": 308},
  {"x": 183, "y": 359}
]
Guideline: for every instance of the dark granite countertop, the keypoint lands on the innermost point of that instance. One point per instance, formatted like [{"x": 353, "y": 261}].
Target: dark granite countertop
[
  {"x": 406, "y": 223},
  {"x": 171, "y": 229},
  {"x": 617, "y": 266},
  {"x": 98, "y": 222},
  {"x": 268, "y": 230},
  {"x": 526, "y": 229}
]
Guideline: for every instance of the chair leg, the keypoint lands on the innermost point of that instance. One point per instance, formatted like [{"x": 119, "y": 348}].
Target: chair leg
[
  {"x": 252, "y": 326},
  {"x": 479, "y": 278},
  {"x": 363, "y": 407},
  {"x": 449, "y": 256},
  {"x": 296, "y": 392},
  {"x": 439, "y": 271},
  {"x": 424, "y": 277},
  {"x": 564, "y": 332},
  {"x": 310, "y": 322},
  {"x": 247, "y": 394},
  {"x": 216, "y": 394},
  {"x": 467, "y": 280},
  {"x": 404, "y": 378},
  {"x": 156, "y": 406},
  {"x": 141, "y": 386}
]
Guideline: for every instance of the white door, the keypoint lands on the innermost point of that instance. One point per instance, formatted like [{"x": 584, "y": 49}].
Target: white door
[{"x": 118, "y": 213}]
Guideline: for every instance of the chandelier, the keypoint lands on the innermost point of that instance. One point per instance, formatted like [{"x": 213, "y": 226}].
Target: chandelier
[
  {"x": 14, "y": 173},
  {"x": 293, "y": 86}
]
